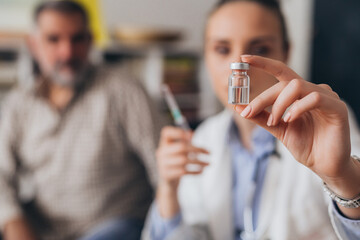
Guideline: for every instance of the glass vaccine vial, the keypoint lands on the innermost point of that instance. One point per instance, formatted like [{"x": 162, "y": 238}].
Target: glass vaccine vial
[{"x": 239, "y": 84}]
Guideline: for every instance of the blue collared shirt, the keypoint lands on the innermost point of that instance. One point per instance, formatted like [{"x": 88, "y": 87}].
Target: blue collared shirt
[{"x": 248, "y": 166}]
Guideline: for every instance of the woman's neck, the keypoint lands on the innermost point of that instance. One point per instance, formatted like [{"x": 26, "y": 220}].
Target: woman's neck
[{"x": 245, "y": 128}]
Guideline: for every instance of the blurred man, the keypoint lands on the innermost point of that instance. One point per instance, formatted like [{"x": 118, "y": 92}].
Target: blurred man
[{"x": 84, "y": 136}]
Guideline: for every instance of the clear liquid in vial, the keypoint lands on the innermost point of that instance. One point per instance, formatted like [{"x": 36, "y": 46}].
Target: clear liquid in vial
[{"x": 238, "y": 95}]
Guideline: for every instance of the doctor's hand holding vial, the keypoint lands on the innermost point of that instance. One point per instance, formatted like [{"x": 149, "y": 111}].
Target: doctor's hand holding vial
[
  {"x": 315, "y": 127},
  {"x": 268, "y": 161}
]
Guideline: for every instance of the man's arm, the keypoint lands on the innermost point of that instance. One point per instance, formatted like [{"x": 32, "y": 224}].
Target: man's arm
[{"x": 12, "y": 223}]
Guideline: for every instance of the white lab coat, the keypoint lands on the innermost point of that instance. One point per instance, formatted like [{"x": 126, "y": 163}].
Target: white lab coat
[{"x": 293, "y": 205}]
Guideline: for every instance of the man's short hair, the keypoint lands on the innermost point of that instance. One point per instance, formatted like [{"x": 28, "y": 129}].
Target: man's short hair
[{"x": 61, "y": 6}]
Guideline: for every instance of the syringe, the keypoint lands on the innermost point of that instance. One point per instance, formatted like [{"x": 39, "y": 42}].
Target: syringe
[{"x": 179, "y": 119}]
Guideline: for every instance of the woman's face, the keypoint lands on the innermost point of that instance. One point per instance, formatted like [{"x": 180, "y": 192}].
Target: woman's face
[{"x": 241, "y": 28}]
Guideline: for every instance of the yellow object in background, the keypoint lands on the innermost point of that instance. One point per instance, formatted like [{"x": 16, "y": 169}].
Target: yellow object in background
[{"x": 98, "y": 28}]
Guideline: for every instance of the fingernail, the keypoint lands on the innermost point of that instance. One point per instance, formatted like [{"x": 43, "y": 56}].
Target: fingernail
[
  {"x": 245, "y": 112},
  {"x": 270, "y": 120},
  {"x": 245, "y": 56},
  {"x": 287, "y": 117}
]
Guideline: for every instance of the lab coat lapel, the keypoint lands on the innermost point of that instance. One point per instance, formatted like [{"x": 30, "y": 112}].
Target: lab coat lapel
[
  {"x": 269, "y": 193},
  {"x": 218, "y": 194}
]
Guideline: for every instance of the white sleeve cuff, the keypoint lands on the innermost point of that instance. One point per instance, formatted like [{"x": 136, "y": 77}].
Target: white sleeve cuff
[{"x": 345, "y": 228}]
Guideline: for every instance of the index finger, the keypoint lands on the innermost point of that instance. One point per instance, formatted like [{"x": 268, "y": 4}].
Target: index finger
[
  {"x": 274, "y": 67},
  {"x": 170, "y": 134}
]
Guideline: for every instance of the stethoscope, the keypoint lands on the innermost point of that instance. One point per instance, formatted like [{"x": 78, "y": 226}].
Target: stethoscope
[{"x": 249, "y": 232}]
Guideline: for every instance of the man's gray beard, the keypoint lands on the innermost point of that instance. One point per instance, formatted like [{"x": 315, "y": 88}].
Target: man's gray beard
[{"x": 70, "y": 81}]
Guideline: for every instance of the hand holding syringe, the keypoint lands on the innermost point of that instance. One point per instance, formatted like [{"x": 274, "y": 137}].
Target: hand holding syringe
[
  {"x": 175, "y": 157},
  {"x": 181, "y": 122}
]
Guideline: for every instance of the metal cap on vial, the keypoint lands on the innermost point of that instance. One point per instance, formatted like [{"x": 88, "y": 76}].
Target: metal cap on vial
[{"x": 239, "y": 66}]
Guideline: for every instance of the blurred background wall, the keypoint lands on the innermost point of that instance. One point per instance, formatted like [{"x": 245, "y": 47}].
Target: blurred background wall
[
  {"x": 174, "y": 52},
  {"x": 336, "y": 48}
]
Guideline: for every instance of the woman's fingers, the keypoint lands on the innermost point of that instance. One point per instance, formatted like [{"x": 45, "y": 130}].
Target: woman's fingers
[
  {"x": 172, "y": 134},
  {"x": 295, "y": 90},
  {"x": 174, "y": 174},
  {"x": 315, "y": 100},
  {"x": 326, "y": 104},
  {"x": 281, "y": 96},
  {"x": 182, "y": 161},
  {"x": 276, "y": 68},
  {"x": 177, "y": 166},
  {"x": 329, "y": 90},
  {"x": 174, "y": 150},
  {"x": 176, "y": 156},
  {"x": 180, "y": 148}
]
